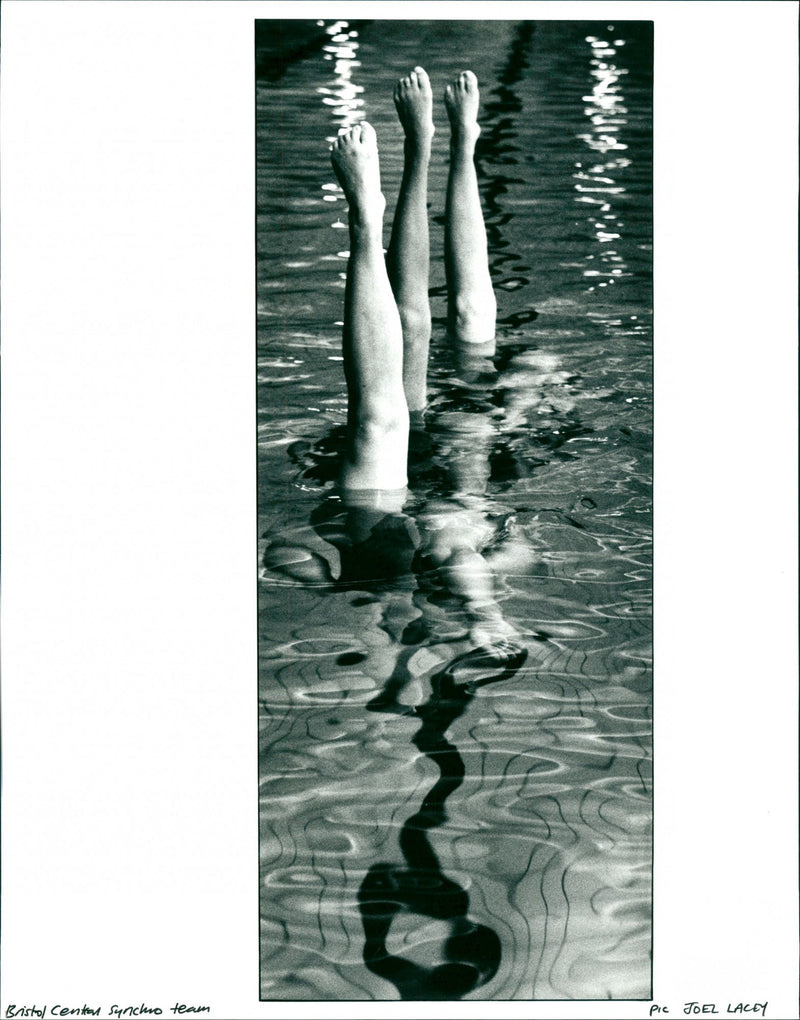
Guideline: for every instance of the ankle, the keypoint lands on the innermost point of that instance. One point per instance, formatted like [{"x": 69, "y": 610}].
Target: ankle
[
  {"x": 366, "y": 219},
  {"x": 464, "y": 136}
]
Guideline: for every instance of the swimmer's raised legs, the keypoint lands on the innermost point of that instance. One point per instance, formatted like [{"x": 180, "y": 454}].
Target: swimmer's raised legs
[
  {"x": 472, "y": 307},
  {"x": 387, "y": 321},
  {"x": 377, "y": 414},
  {"x": 408, "y": 257}
]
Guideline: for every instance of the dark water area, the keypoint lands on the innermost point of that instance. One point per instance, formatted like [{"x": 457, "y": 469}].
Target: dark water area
[{"x": 439, "y": 821}]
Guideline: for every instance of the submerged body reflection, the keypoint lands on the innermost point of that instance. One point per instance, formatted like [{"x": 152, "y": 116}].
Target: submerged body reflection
[{"x": 435, "y": 567}]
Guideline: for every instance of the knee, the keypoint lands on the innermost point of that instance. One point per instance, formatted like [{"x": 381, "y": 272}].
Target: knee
[
  {"x": 380, "y": 417},
  {"x": 416, "y": 320},
  {"x": 472, "y": 316},
  {"x": 377, "y": 450},
  {"x": 379, "y": 437}
]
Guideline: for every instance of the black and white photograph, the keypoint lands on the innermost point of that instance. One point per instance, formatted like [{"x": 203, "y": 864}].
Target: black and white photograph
[
  {"x": 455, "y": 507},
  {"x": 399, "y": 509}
]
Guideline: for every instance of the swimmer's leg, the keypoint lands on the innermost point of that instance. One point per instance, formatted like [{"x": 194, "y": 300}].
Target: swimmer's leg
[
  {"x": 377, "y": 415},
  {"x": 408, "y": 258},
  {"x": 472, "y": 308}
]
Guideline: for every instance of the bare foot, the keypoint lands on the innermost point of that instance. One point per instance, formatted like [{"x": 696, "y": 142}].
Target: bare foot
[
  {"x": 414, "y": 103},
  {"x": 354, "y": 155},
  {"x": 462, "y": 99}
]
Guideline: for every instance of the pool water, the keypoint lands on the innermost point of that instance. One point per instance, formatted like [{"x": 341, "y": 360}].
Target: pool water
[{"x": 436, "y": 822}]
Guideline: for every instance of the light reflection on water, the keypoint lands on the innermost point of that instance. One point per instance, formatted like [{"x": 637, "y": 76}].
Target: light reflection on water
[
  {"x": 596, "y": 184},
  {"x": 430, "y": 828},
  {"x": 342, "y": 96}
]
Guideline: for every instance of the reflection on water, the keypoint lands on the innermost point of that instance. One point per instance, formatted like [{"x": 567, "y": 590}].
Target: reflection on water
[
  {"x": 595, "y": 184},
  {"x": 342, "y": 95},
  {"x": 455, "y": 694}
]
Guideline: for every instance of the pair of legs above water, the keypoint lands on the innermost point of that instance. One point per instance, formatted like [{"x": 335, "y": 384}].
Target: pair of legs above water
[{"x": 387, "y": 318}]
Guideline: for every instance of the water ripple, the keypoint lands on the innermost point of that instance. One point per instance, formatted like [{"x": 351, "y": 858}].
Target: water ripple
[{"x": 421, "y": 835}]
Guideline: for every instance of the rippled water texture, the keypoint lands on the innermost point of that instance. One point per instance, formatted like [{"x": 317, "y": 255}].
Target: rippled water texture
[{"x": 435, "y": 824}]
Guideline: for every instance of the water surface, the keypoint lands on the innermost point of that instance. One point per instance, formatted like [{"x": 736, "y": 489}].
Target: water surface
[{"x": 430, "y": 830}]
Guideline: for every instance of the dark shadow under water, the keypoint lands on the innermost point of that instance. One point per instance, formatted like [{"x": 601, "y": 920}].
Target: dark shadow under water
[{"x": 472, "y": 950}]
